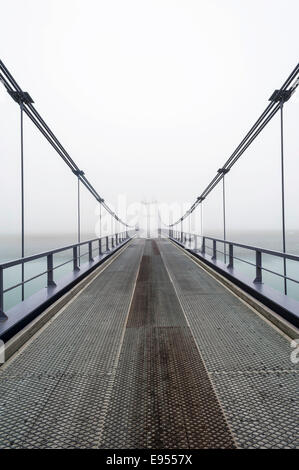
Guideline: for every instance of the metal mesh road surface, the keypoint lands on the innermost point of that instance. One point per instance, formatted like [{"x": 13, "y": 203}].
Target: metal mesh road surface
[
  {"x": 162, "y": 396},
  {"x": 247, "y": 359},
  {"x": 153, "y": 353},
  {"x": 54, "y": 393}
]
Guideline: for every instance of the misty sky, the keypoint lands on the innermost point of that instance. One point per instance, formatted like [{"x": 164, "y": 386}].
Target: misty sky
[{"x": 149, "y": 98}]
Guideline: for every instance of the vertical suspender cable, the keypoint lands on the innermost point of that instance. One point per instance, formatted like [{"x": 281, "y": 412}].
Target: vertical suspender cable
[
  {"x": 100, "y": 220},
  {"x": 201, "y": 217},
  {"x": 22, "y": 198},
  {"x": 224, "y": 217},
  {"x": 79, "y": 219},
  {"x": 282, "y": 196}
]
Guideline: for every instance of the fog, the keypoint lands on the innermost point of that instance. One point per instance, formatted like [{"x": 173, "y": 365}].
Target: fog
[{"x": 149, "y": 98}]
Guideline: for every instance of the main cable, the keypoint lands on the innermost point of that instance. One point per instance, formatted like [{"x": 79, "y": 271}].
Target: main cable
[
  {"x": 251, "y": 135},
  {"x": 15, "y": 91}
]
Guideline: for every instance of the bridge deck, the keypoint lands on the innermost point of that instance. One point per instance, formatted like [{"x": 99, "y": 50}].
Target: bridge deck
[{"x": 153, "y": 353}]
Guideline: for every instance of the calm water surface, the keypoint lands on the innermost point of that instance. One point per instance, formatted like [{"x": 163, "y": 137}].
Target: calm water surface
[{"x": 10, "y": 249}]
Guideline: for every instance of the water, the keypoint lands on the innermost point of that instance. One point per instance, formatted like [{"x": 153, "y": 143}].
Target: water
[
  {"x": 10, "y": 249},
  {"x": 271, "y": 240},
  {"x": 246, "y": 262}
]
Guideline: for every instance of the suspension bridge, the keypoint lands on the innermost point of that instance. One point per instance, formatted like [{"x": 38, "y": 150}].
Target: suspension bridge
[{"x": 150, "y": 343}]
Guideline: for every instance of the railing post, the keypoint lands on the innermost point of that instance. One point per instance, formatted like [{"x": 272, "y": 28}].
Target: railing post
[
  {"x": 75, "y": 258},
  {"x": 90, "y": 251},
  {"x": 214, "y": 257},
  {"x": 230, "y": 256},
  {"x": 50, "y": 278},
  {"x": 100, "y": 246},
  {"x": 116, "y": 239},
  {"x": 112, "y": 241},
  {"x": 203, "y": 246},
  {"x": 3, "y": 317},
  {"x": 107, "y": 243},
  {"x": 195, "y": 242},
  {"x": 258, "y": 267}
]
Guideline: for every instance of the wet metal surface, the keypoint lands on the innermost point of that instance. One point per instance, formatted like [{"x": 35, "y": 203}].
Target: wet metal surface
[
  {"x": 162, "y": 396},
  {"x": 54, "y": 393},
  {"x": 247, "y": 359},
  {"x": 173, "y": 360}
]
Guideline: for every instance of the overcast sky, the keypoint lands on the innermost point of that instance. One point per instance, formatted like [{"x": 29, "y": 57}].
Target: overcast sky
[{"x": 150, "y": 98}]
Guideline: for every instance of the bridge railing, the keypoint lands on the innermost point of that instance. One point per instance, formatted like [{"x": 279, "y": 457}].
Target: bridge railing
[
  {"x": 88, "y": 248},
  {"x": 285, "y": 305},
  {"x": 190, "y": 240}
]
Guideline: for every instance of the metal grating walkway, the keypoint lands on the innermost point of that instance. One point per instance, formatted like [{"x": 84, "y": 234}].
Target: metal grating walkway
[
  {"x": 55, "y": 392},
  {"x": 162, "y": 396},
  {"x": 247, "y": 359},
  {"x": 153, "y": 353}
]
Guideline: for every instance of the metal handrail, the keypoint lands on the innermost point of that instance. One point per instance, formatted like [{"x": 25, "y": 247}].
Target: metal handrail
[
  {"x": 249, "y": 247},
  {"x": 252, "y": 264},
  {"x": 9, "y": 264},
  {"x": 116, "y": 238},
  {"x": 254, "y": 248},
  {"x": 259, "y": 251}
]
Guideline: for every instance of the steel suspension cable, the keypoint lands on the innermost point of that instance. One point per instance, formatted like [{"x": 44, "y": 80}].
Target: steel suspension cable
[
  {"x": 251, "y": 135},
  {"x": 18, "y": 95}
]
